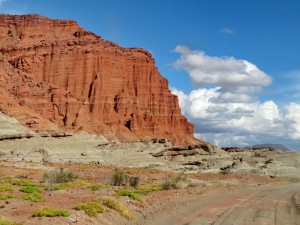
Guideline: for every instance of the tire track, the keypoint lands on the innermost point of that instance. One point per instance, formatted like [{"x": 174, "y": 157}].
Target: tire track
[{"x": 264, "y": 205}]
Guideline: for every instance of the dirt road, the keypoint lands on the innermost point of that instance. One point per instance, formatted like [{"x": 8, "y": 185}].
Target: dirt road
[{"x": 261, "y": 205}]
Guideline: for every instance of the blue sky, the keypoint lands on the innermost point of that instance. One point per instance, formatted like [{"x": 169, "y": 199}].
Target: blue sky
[{"x": 234, "y": 64}]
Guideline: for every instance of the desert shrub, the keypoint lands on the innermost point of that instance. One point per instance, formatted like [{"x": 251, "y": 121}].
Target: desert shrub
[
  {"x": 166, "y": 184},
  {"x": 96, "y": 187},
  {"x": 4, "y": 221},
  {"x": 34, "y": 197},
  {"x": 59, "y": 176},
  {"x": 50, "y": 212},
  {"x": 73, "y": 184},
  {"x": 22, "y": 176},
  {"x": 119, "y": 208},
  {"x": 147, "y": 190},
  {"x": 130, "y": 194},
  {"x": 170, "y": 182},
  {"x": 25, "y": 183},
  {"x": 30, "y": 189},
  {"x": 176, "y": 181},
  {"x": 6, "y": 188},
  {"x": 62, "y": 186},
  {"x": 20, "y": 182},
  {"x": 90, "y": 208},
  {"x": 134, "y": 181},
  {"x": 119, "y": 178},
  {"x": 49, "y": 185},
  {"x": 5, "y": 197},
  {"x": 3, "y": 176}
]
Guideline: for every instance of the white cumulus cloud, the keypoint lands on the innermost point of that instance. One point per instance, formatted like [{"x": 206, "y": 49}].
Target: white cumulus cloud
[
  {"x": 293, "y": 117},
  {"x": 225, "y": 71},
  {"x": 223, "y": 106},
  {"x": 239, "y": 120}
]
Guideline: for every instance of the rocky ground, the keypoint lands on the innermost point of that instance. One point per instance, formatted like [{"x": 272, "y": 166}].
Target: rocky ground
[
  {"x": 216, "y": 186},
  {"x": 195, "y": 195},
  {"x": 159, "y": 154}
]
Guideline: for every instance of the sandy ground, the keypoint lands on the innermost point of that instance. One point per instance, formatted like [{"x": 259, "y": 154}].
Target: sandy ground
[
  {"x": 269, "y": 204},
  {"x": 201, "y": 199}
]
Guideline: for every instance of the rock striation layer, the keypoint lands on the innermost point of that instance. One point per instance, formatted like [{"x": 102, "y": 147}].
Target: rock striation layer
[{"x": 54, "y": 74}]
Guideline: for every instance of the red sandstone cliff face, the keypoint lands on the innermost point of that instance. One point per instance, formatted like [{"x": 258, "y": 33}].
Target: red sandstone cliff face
[{"x": 54, "y": 74}]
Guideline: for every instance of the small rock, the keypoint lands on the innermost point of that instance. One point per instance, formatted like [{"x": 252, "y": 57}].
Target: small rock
[{"x": 71, "y": 219}]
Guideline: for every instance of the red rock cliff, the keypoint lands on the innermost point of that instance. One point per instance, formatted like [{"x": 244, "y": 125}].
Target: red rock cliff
[{"x": 54, "y": 73}]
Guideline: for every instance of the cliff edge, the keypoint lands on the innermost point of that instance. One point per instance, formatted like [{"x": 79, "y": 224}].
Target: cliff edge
[{"x": 56, "y": 75}]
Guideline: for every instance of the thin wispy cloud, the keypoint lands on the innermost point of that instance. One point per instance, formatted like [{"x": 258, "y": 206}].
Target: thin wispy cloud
[
  {"x": 226, "y": 31},
  {"x": 18, "y": 8},
  {"x": 1, "y": 2},
  {"x": 288, "y": 85}
]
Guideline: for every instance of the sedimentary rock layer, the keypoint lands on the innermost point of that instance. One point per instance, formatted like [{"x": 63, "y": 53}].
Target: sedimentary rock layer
[{"x": 54, "y": 74}]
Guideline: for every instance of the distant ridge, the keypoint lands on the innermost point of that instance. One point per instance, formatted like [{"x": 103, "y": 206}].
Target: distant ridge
[{"x": 274, "y": 146}]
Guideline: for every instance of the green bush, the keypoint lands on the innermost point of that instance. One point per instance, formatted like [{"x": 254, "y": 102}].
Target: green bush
[
  {"x": 119, "y": 208},
  {"x": 5, "y": 188},
  {"x": 63, "y": 186},
  {"x": 130, "y": 194},
  {"x": 147, "y": 190},
  {"x": 25, "y": 183},
  {"x": 5, "y": 197},
  {"x": 34, "y": 197},
  {"x": 90, "y": 208},
  {"x": 73, "y": 184},
  {"x": 4, "y": 221},
  {"x": 96, "y": 187},
  {"x": 30, "y": 189},
  {"x": 50, "y": 212}
]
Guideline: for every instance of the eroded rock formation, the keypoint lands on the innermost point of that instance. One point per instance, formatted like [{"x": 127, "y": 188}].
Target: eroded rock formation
[{"x": 54, "y": 74}]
